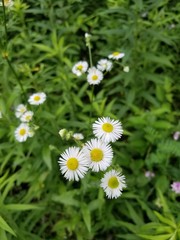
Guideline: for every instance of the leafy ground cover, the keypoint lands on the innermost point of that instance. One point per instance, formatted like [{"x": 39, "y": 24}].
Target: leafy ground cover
[{"x": 40, "y": 41}]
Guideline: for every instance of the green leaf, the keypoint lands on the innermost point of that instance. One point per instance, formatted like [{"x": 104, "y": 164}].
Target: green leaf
[
  {"x": 6, "y": 227},
  {"x": 156, "y": 237},
  {"x": 165, "y": 220},
  {"x": 47, "y": 157},
  {"x": 21, "y": 207},
  {"x": 86, "y": 216}
]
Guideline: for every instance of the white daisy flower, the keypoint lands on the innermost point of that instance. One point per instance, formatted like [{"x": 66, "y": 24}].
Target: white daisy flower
[
  {"x": 20, "y": 110},
  {"x": 116, "y": 55},
  {"x": 94, "y": 76},
  {"x": 107, "y": 129},
  {"x": 99, "y": 154},
  {"x": 27, "y": 116},
  {"x": 104, "y": 65},
  {"x": 22, "y": 132},
  {"x": 113, "y": 183},
  {"x": 37, "y": 98},
  {"x": 80, "y": 68},
  {"x": 7, "y": 3},
  {"x": 73, "y": 164},
  {"x": 78, "y": 136}
]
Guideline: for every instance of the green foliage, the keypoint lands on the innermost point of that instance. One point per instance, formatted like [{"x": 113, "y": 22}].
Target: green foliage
[{"x": 44, "y": 40}]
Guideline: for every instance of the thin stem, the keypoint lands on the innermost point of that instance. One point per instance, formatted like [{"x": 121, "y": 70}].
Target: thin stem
[
  {"x": 16, "y": 76},
  {"x": 90, "y": 55},
  {"x": 6, "y": 54},
  {"x": 5, "y": 27}
]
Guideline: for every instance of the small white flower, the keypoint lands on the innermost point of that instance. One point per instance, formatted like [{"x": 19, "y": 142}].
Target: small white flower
[
  {"x": 80, "y": 68},
  {"x": 104, "y": 65},
  {"x": 37, "y": 98},
  {"x": 99, "y": 154},
  {"x": 78, "y": 136},
  {"x": 22, "y": 132},
  {"x": 116, "y": 55},
  {"x": 108, "y": 130},
  {"x": 126, "y": 69},
  {"x": 113, "y": 183},
  {"x": 87, "y": 35},
  {"x": 27, "y": 116},
  {"x": 20, "y": 110},
  {"x": 94, "y": 76},
  {"x": 176, "y": 135},
  {"x": 149, "y": 174},
  {"x": 7, "y": 3},
  {"x": 73, "y": 164}
]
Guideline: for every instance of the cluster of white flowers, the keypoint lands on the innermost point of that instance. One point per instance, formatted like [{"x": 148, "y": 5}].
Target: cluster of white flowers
[
  {"x": 95, "y": 74},
  {"x": 95, "y": 155},
  {"x": 25, "y": 129}
]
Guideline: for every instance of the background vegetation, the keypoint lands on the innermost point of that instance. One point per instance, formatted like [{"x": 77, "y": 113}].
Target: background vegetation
[{"x": 44, "y": 40}]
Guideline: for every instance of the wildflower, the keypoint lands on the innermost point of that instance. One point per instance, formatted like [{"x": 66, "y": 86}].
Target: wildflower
[
  {"x": 73, "y": 164},
  {"x": 20, "y": 110},
  {"x": 104, "y": 65},
  {"x": 63, "y": 133},
  {"x": 27, "y": 116},
  {"x": 37, "y": 98},
  {"x": 176, "y": 136},
  {"x": 7, "y": 3},
  {"x": 99, "y": 154},
  {"x": 78, "y": 136},
  {"x": 149, "y": 174},
  {"x": 126, "y": 69},
  {"x": 88, "y": 39},
  {"x": 176, "y": 187},
  {"x": 108, "y": 130},
  {"x": 113, "y": 183},
  {"x": 94, "y": 76},
  {"x": 22, "y": 132},
  {"x": 116, "y": 55},
  {"x": 80, "y": 68}
]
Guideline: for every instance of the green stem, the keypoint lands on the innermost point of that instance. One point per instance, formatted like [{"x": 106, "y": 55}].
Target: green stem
[
  {"x": 6, "y": 55},
  {"x": 90, "y": 56},
  {"x": 5, "y": 27}
]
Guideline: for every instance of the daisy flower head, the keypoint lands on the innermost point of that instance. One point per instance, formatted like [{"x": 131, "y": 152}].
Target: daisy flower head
[
  {"x": 107, "y": 129},
  {"x": 80, "y": 67},
  {"x": 113, "y": 183},
  {"x": 78, "y": 136},
  {"x": 73, "y": 164},
  {"x": 176, "y": 187},
  {"x": 116, "y": 55},
  {"x": 104, "y": 65},
  {"x": 94, "y": 76},
  {"x": 27, "y": 116},
  {"x": 22, "y": 132},
  {"x": 37, "y": 98},
  {"x": 99, "y": 154},
  {"x": 20, "y": 110},
  {"x": 7, "y": 3}
]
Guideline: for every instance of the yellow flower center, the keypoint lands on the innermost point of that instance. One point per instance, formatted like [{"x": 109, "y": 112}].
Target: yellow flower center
[
  {"x": 22, "y": 131},
  {"x": 72, "y": 163},
  {"x": 37, "y": 98},
  {"x": 22, "y": 110},
  {"x": 94, "y": 77},
  {"x": 6, "y": 2},
  {"x": 107, "y": 127},
  {"x": 79, "y": 67},
  {"x": 96, "y": 155},
  {"x": 28, "y": 117},
  {"x": 115, "y": 53},
  {"x": 113, "y": 182}
]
